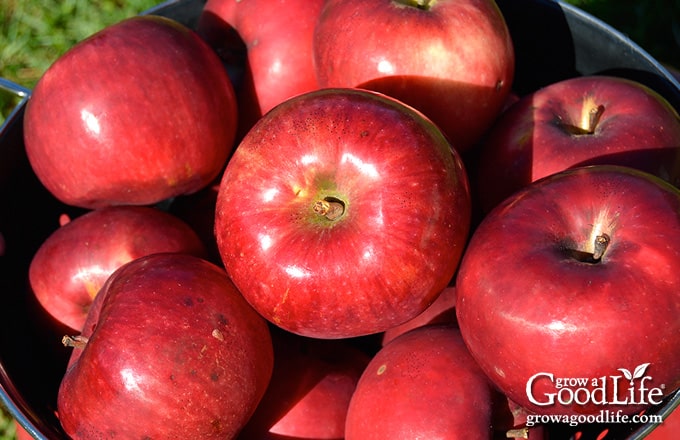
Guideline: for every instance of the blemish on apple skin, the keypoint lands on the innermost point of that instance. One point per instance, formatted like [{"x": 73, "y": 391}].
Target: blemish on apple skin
[
  {"x": 64, "y": 219},
  {"x": 381, "y": 369},
  {"x": 275, "y": 312},
  {"x": 218, "y": 335},
  {"x": 222, "y": 320},
  {"x": 203, "y": 350},
  {"x": 216, "y": 425}
]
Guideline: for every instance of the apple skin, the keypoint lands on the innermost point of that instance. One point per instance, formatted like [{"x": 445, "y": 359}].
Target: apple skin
[
  {"x": 140, "y": 112},
  {"x": 310, "y": 390},
  {"x": 529, "y": 301},
  {"x": 277, "y": 36},
  {"x": 452, "y": 59},
  {"x": 394, "y": 247},
  {"x": 668, "y": 429},
  {"x": 20, "y": 432},
  {"x": 423, "y": 384},
  {"x": 72, "y": 264},
  {"x": 172, "y": 351},
  {"x": 534, "y": 137},
  {"x": 441, "y": 311}
]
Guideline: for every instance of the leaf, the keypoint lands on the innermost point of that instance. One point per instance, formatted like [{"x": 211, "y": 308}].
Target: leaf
[
  {"x": 640, "y": 370},
  {"x": 626, "y": 373}
]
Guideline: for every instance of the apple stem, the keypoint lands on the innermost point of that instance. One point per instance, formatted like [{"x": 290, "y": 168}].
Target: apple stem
[
  {"x": 600, "y": 246},
  {"x": 330, "y": 208},
  {"x": 592, "y": 118},
  {"x": 424, "y": 5},
  {"x": 74, "y": 341},
  {"x": 517, "y": 433}
]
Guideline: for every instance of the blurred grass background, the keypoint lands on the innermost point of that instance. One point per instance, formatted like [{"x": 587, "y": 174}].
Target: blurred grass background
[{"x": 33, "y": 33}]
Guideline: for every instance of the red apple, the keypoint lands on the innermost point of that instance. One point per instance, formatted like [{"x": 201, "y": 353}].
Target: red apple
[
  {"x": 170, "y": 349},
  {"x": 441, "y": 311},
  {"x": 451, "y": 59},
  {"x": 309, "y": 393},
  {"x": 668, "y": 429},
  {"x": 277, "y": 35},
  {"x": 579, "y": 121},
  {"x": 569, "y": 292},
  {"x": 342, "y": 213},
  {"x": 73, "y": 263},
  {"x": 138, "y": 113},
  {"x": 20, "y": 432},
  {"x": 422, "y": 385}
]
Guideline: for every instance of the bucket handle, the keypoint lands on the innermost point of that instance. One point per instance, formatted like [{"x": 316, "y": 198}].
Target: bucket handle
[{"x": 20, "y": 91}]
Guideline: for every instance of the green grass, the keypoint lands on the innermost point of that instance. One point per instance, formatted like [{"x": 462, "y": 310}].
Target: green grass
[
  {"x": 7, "y": 429},
  {"x": 33, "y": 33}
]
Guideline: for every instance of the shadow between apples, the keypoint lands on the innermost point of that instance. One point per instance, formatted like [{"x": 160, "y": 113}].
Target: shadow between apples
[
  {"x": 232, "y": 50},
  {"x": 542, "y": 38}
]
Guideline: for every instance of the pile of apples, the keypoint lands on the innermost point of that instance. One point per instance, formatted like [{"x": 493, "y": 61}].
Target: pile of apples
[{"x": 300, "y": 220}]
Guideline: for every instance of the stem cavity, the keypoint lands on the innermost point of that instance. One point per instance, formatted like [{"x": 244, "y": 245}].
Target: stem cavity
[
  {"x": 424, "y": 5},
  {"x": 591, "y": 113},
  {"x": 329, "y": 207}
]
